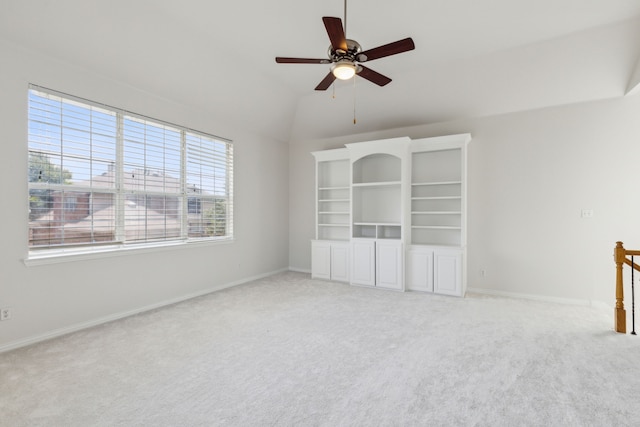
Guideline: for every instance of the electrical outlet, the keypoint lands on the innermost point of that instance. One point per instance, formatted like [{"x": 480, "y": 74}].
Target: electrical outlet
[
  {"x": 5, "y": 313},
  {"x": 586, "y": 213}
]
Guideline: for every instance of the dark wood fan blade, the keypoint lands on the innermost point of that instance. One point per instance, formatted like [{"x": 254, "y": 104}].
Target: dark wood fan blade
[
  {"x": 373, "y": 76},
  {"x": 394, "y": 48},
  {"x": 281, "y": 60},
  {"x": 335, "y": 32},
  {"x": 326, "y": 82}
]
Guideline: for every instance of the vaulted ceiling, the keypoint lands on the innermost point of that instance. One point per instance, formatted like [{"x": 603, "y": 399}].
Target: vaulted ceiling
[{"x": 472, "y": 57}]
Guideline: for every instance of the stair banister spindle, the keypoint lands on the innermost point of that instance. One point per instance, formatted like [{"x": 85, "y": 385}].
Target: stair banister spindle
[
  {"x": 633, "y": 300},
  {"x": 620, "y": 314}
]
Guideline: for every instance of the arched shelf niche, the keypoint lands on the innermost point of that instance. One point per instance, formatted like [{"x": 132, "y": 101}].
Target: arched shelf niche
[{"x": 377, "y": 168}]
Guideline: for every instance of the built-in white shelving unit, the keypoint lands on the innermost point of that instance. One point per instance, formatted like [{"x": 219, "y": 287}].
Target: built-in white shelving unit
[
  {"x": 333, "y": 195},
  {"x": 377, "y": 187},
  {"x": 437, "y": 196},
  {"x": 394, "y": 212},
  {"x": 331, "y": 249}
]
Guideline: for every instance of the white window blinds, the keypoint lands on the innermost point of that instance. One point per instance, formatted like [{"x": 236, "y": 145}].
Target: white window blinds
[
  {"x": 151, "y": 180},
  {"x": 99, "y": 175},
  {"x": 209, "y": 186}
]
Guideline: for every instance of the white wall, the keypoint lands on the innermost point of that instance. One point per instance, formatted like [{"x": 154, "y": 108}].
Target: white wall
[
  {"x": 580, "y": 67},
  {"x": 530, "y": 174},
  {"x": 59, "y": 297}
]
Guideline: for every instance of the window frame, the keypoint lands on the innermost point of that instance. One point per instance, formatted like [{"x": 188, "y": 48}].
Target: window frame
[{"x": 185, "y": 193}]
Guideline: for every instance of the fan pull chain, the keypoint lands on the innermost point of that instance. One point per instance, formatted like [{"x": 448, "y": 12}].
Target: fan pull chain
[{"x": 354, "y": 100}]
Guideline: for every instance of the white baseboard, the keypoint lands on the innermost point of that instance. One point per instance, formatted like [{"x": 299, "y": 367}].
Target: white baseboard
[
  {"x": 300, "y": 270},
  {"x": 533, "y": 297},
  {"x": 95, "y": 322}
]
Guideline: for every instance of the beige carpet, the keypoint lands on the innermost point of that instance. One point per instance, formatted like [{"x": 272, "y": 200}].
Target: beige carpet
[{"x": 291, "y": 351}]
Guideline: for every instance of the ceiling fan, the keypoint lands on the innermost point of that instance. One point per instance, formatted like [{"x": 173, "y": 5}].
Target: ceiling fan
[{"x": 346, "y": 55}]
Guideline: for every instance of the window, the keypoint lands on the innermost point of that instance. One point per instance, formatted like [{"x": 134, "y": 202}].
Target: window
[
  {"x": 70, "y": 203},
  {"x": 99, "y": 175}
]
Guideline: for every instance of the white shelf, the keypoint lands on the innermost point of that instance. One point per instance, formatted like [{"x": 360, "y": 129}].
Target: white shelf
[
  {"x": 437, "y": 198},
  {"x": 377, "y": 230},
  {"x": 436, "y": 227},
  {"x": 416, "y": 184},
  {"x": 435, "y": 213},
  {"x": 333, "y": 188},
  {"x": 333, "y": 225},
  {"x": 376, "y": 184}
]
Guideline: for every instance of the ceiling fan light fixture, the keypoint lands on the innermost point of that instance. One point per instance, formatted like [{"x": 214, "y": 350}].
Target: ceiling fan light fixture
[{"x": 344, "y": 70}]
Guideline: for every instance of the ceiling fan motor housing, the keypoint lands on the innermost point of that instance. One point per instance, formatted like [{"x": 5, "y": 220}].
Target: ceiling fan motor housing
[{"x": 352, "y": 53}]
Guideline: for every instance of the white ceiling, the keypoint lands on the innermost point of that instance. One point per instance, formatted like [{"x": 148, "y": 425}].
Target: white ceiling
[{"x": 472, "y": 57}]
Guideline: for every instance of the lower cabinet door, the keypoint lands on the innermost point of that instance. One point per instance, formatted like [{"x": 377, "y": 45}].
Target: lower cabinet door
[
  {"x": 340, "y": 262},
  {"x": 363, "y": 262},
  {"x": 447, "y": 272},
  {"x": 420, "y": 269},
  {"x": 389, "y": 264},
  {"x": 320, "y": 260}
]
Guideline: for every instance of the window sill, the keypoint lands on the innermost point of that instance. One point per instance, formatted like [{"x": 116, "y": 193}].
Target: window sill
[{"x": 71, "y": 255}]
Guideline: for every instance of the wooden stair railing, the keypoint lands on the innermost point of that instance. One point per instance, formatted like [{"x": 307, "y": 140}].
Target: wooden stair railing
[{"x": 620, "y": 257}]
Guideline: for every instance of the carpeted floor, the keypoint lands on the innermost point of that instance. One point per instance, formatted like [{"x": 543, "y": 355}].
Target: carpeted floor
[{"x": 291, "y": 351}]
